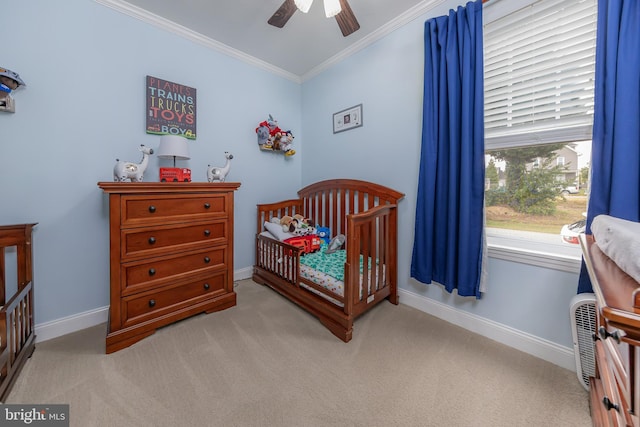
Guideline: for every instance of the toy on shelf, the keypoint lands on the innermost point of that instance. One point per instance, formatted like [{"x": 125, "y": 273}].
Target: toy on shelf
[
  {"x": 272, "y": 138},
  {"x": 132, "y": 171},
  {"x": 175, "y": 174},
  {"x": 219, "y": 174},
  {"x": 9, "y": 81}
]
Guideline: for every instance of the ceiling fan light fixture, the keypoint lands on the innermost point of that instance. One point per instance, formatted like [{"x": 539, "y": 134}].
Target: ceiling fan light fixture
[
  {"x": 332, "y": 8},
  {"x": 303, "y": 5}
]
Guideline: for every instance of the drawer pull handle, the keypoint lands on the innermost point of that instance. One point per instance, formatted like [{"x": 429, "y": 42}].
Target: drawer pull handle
[
  {"x": 207, "y": 233},
  {"x": 152, "y": 271},
  {"x": 152, "y": 209},
  {"x": 207, "y": 205},
  {"x": 604, "y": 334},
  {"x": 207, "y": 259},
  {"x": 152, "y": 240},
  {"x": 609, "y": 404},
  {"x": 152, "y": 303},
  {"x": 206, "y": 286}
]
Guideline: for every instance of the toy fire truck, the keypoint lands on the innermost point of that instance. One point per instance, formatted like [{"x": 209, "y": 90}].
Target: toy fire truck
[
  {"x": 308, "y": 244},
  {"x": 175, "y": 175}
]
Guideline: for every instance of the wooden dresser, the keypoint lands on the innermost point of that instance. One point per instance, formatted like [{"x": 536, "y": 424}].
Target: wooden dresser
[
  {"x": 171, "y": 247},
  {"x": 615, "y": 392}
]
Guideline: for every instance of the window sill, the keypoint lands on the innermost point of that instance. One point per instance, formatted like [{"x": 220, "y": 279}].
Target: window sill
[{"x": 529, "y": 248}]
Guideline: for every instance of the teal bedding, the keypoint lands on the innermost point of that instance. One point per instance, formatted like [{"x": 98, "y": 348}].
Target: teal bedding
[{"x": 330, "y": 264}]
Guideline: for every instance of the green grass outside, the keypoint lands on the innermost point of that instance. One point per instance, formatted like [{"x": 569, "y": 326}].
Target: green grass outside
[{"x": 568, "y": 209}]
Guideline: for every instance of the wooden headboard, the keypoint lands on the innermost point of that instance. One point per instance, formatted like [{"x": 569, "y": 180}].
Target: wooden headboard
[{"x": 329, "y": 202}]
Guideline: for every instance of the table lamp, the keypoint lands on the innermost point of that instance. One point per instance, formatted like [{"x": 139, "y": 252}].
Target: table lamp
[
  {"x": 173, "y": 146},
  {"x": 176, "y": 147}
]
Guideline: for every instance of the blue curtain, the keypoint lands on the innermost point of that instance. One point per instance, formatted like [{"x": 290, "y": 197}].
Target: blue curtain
[
  {"x": 448, "y": 240},
  {"x": 615, "y": 152}
]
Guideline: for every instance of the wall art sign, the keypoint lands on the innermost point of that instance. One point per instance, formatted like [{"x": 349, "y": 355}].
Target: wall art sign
[
  {"x": 347, "y": 119},
  {"x": 171, "y": 108}
]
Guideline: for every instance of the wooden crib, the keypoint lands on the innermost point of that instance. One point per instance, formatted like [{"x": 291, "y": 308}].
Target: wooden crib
[
  {"x": 366, "y": 213},
  {"x": 17, "y": 338}
]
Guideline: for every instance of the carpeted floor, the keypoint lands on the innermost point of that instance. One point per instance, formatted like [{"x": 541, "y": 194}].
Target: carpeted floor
[{"x": 266, "y": 362}]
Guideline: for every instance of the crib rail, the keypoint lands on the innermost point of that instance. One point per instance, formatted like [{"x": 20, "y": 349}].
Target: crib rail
[
  {"x": 17, "y": 338},
  {"x": 280, "y": 259},
  {"x": 266, "y": 211}
]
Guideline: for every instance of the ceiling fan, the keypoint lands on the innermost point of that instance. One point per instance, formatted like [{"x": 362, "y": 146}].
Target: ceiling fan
[{"x": 339, "y": 8}]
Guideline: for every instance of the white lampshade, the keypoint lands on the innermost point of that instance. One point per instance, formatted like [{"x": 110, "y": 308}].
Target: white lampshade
[
  {"x": 173, "y": 146},
  {"x": 303, "y": 5},
  {"x": 332, "y": 8}
]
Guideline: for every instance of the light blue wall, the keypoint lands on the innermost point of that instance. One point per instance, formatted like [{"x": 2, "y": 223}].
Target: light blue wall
[
  {"x": 387, "y": 78},
  {"x": 84, "y": 106},
  {"x": 85, "y": 67}
]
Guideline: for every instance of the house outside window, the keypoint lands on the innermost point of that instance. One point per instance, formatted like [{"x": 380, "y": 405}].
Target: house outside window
[{"x": 539, "y": 82}]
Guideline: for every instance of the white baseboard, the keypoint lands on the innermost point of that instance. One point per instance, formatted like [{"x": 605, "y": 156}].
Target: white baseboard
[
  {"x": 87, "y": 319},
  {"x": 244, "y": 273},
  {"x": 66, "y": 325},
  {"x": 546, "y": 350},
  {"x": 541, "y": 348}
]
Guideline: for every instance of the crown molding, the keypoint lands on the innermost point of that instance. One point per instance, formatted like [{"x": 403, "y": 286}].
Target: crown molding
[
  {"x": 160, "y": 22},
  {"x": 401, "y": 20}
]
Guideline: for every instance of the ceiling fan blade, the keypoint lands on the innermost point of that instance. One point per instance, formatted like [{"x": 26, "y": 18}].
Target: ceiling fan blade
[
  {"x": 283, "y": 14},
  {"x": 346, "y": 19}
]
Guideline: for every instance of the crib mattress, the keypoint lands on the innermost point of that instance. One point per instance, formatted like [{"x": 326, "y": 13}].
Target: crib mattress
[{"x": 325, "y": 270}]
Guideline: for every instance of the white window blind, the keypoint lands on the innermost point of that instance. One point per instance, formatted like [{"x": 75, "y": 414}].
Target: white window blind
[{"x": 539, "y": 66}]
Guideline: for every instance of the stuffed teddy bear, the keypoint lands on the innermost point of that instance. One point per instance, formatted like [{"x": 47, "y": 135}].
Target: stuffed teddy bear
[{"x": 324, "y": 233}]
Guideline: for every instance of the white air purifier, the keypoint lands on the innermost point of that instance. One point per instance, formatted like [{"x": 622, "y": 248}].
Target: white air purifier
[{"x": 583, "y": 327}]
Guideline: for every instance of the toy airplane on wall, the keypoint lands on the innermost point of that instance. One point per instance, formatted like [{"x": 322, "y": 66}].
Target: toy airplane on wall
[{"x": 9, "y": 81}]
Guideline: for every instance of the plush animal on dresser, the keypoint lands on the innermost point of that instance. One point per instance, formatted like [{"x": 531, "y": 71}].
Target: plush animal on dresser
[
  {"x": 132, "y": 171},
  {"x": 220, "y": 173}
]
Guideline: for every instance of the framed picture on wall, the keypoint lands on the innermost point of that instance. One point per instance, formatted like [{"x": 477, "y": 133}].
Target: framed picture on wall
[{"x": 350, "y": 118}]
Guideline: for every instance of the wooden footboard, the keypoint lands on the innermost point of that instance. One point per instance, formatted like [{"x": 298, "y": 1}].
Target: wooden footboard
[
  {"x": 367, "y": 214},
  {"x": 371, "y": 267}
]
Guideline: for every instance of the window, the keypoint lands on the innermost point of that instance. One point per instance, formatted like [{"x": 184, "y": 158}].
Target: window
[{"x": 539, "y": 64}]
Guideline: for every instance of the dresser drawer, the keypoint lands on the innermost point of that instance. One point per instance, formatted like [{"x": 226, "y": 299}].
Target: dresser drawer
[
  {"x": 146, "y": 274},
  {"x": 616, "y": 354},
  {"x": 615, "y": 407},
  {"x": 152, "y": 304},
  {"x": 154, "y": 241},
  {"x": 164, "y": 209}
]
